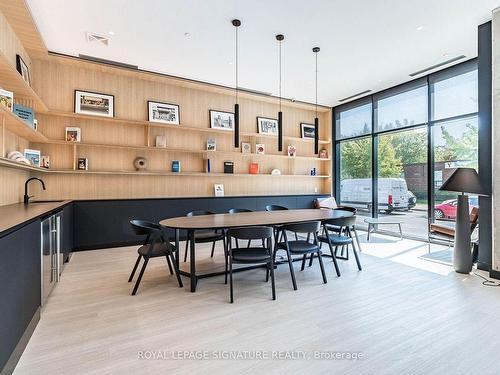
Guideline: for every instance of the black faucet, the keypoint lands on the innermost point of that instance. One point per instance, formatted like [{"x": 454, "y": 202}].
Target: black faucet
[{"x": 26, "y": 196}]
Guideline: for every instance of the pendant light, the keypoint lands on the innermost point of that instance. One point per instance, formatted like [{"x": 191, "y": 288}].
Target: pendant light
[
  {"x": 236, "y": 23},
  {"x": 316, "y": 120},
  {"x": 280, "y": 38}
]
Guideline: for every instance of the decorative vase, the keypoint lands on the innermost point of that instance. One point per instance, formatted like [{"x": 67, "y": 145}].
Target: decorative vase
[{"x": 140, "y": 163}]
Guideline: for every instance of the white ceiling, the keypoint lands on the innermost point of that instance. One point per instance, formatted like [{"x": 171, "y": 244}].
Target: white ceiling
[{"x": 365, "y": 44}]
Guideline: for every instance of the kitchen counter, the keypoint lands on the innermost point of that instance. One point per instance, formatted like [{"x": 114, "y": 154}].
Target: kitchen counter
[{"x": 14, "y": 215}]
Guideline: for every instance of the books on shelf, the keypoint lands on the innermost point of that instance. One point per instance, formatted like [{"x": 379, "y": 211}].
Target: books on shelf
[
  {"x": 24, "y": 113},
  {"x": 207, "y": 166},
  {"x": 176, "y": 166}
]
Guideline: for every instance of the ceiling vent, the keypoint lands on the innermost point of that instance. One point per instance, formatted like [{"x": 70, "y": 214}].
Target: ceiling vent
[
  {"x": 96, "y": 38},
  {"x": 355, "y": 95},
  {"x": 437, "y": 65}
]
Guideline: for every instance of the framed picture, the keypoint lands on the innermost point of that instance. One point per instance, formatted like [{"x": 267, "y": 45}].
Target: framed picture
[
  {"x": 45, "y": 161},
  {"x": 33, "y": 156},
  {"x": 211, "y": 144},
  {"x": 83, "y": 164},
  {"x": 260, "y": 148},
  {"x": 161, "y": 141},
  {"x": 7, "y": 99},
  {"x": 307, "y": 131},
  {"x": 93, "y": 103},
  {"x": 292, "y": 151},
  {"x": 73, "y": 134},
  {"x": 267, "y": 126},
  {"x": 22, "y": 68},
  {"x": 163, "y": 112},
  {"x": 219, "y": 190},
  {"x": 246, "y": 148},
  {"x": 221, "y": 120}
]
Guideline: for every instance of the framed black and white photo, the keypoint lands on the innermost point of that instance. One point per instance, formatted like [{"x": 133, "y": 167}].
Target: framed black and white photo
[
  {"x": 163, "y": 112},
  {"x": 221, "y": 120},
  {"x": 267, "y": 126},
  {"x": 307, "y": 131},
  {"x": 22, "y": 68},
  {"x": 93, "y": 103}
]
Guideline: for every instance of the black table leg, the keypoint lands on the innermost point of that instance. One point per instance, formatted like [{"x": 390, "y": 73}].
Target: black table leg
[
  {"x": 178, "y": 252},
  {"x": 192, "y": 262}
]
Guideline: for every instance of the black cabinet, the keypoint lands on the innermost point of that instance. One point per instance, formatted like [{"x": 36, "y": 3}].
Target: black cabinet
[
  {"x": 19, "y": 285},
  {"x": 67, "y": 229}
]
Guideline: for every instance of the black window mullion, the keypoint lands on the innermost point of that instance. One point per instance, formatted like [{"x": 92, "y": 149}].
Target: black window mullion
[
  {"x": 374, "y": 160},
  {"x": 430, "y": 155}
]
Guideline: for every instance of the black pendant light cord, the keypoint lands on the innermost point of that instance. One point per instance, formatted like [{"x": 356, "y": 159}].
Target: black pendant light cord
[
  {"x": 280, "y": 70},
  {"x": 236, "y": 60},
  {"x": 316, "y": 84}
]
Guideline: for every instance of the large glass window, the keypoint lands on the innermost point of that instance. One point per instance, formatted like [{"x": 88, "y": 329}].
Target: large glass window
[
  {"x": 404, "y": 109},
  {"x": 355, "y": 121}
]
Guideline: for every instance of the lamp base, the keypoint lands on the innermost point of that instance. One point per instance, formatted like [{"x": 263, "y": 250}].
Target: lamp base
[{"x": 462, "y": 257}]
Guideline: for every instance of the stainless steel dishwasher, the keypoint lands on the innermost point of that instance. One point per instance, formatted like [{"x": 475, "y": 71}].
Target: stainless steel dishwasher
[{"x": 50, "y": 254}]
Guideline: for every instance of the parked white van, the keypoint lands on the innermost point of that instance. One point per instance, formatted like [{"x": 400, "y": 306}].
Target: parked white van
[{"x": 392, "y": 193}]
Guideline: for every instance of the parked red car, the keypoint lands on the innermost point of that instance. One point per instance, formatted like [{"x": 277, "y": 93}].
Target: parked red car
[{"x": 448, "y": 209}]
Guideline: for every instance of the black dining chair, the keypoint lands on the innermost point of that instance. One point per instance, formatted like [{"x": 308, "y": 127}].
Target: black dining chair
[
  {"x": 251, "y": 255},
  {"x": 205, "y": 236},
  {"x": 301, "y": 247},
  {"x": 237, "y": 211},
  {"x": 344, "y": 237},
  {"x": 275, "y": 207},
  {"x": 155, "y": 245}
]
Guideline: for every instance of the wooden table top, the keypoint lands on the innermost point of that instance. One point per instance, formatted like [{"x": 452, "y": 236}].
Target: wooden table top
[{"x": 245, "y": 219}]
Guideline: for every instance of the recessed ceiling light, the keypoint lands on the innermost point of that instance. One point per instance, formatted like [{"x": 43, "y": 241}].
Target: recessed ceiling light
[
  {"x": 187, "y": 35},
  {"x": 230, "y": 63},
  {"x": 420, "y": 28},
  {"x": 111, "y": 33}
]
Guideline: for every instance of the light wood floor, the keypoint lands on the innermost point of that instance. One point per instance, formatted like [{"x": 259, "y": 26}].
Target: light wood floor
[{"x": 403, "y": 320}]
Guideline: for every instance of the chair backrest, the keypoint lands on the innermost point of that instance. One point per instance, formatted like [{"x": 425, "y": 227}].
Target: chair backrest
[
  {"x": 307, "y": 227},
  {"x": 354, "y": 210},
  {"x": 342, "y": 221},
  {"x": 239, "y": 210},
  {"x": 251, "y": 233},
  {"x": 144, "y": 227},
  {"x": 275, "y": 207},
  {"x": 200, "y": 213}
]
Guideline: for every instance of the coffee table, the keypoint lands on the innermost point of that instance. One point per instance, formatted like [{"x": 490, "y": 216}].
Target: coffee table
[{"x": 371, "y": 221}]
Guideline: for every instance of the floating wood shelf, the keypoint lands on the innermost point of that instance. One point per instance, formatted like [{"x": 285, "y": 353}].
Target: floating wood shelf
[
  {"x": 16, "y": 165},
  {"x": 17, "y": 126},
  {"x": 11, "y": 80},
  {"x": 174, "y": 150},
  {"x": 175, "y": 127}
]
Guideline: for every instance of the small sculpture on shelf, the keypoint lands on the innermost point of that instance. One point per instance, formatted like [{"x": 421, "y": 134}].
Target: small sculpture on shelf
[{"x": 141, "y": 163}]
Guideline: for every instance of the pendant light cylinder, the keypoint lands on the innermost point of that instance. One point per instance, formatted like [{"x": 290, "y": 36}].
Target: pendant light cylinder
[
  {"x": 236, "y": 125},
  {"x": 316, "y": 135},
  {"x": 280, "y": 131},
  {"x": 236, "y": 23}
]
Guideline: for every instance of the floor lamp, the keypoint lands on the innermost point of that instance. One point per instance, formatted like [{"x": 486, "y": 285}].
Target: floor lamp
[{"x": 463, "y": 180}]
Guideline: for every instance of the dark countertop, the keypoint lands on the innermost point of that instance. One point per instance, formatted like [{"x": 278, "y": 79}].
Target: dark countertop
[{"x": 14, "y": 215}]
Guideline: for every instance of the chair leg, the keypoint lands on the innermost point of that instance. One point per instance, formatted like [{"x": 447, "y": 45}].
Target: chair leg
[
  {"x": 135, "y": 268},
  {"x": 354, "y": 251},
  {"x": 176, "y": 269},
  {"x": 267, "y": 272},
  {"x": 231, "y": 279},
  {"x": 186, "y": 251},
  {"x": 320, "y": 259},
  {"x": 303, "y": 262},
  {"x": 169, "y": 264},
  {"x": 136, "y": 286},
  {"x": 227, "y": 243},
  {"x": 273, "y": 284},
  {"x": 213, "y": 249},
  {"x": 311, "y": 260},
  {"x": 292, "y": 273}
]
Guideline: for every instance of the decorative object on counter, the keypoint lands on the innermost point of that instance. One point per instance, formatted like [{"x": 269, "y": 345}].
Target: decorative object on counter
[
  {"x": 228, "y": 167},
  {"x": 219, "y": 190},
  {"x": 323, "y": 153},
  {"x": 24, "y": 113},
  {"x": 254, "y": 168},
  {"x": 161, "y": 141},
  {"x": 45, "y": 162},
  {"x": 6, "y": 99},
  {"x": 22, "y": 68},
  {"x": 33, "y": 156},
  {"x": 141, "y": 163},
  {"x": 267, "y": 126},
  {"x": 83, "y": 164},
  {"x": 206, "y": 164},
  {"x": 35, "y": 124},
  {"x": 246, "y": 148},
  {"x": 307, "y": 131},
  {"x": 18, "y": 157},
  {"x": 164, "y": 113},
  {"x": 221, "y": 120},
  {"x": 276, "y": 172},
  {"x": 211, "y": 144},
  {"x": 260, "y": 148},
  {"x": 176, "y": 166},
  {"x": 73, "y": 134},
  {"x": 292, "y": 151},
  {"x": 93, "y": 103},
  {"x": 312, "y": 172}
]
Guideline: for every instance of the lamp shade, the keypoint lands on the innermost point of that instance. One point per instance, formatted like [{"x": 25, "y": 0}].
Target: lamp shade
[{"x": 464, "y": 180}]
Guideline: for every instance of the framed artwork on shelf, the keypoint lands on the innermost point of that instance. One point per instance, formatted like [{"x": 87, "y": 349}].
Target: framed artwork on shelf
[
  {"x": 246, "y": 148},
  {"x": 221, "y": 120},
  {"x": 219, "y": 190},
  {"x": 83, "y": 164},
  {"x": 211, "y": 144},
  {"x": 161, "y": 141},
  {"x": 45, "y": 161},
  {"x": 307, "y": 131},
  {"x": 323, "y": 153},
  {"x": 260, "y": 148},
  {"x": 7, "y": 99},
  {"x": 73, "y": 134},
  {"x": 292, "y": 151},
  {"x": 164, "y": 113},
  {"x": 24, "y": 113},
  {"x": 33, "y": 156},
  {"x": 93, "y": 103},
  {"x": 22, "y": 68},
  {"x": 267, "y": 126}
]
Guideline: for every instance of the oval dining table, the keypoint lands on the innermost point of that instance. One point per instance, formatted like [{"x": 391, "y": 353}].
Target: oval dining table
[{"x": 243, "y": 219}]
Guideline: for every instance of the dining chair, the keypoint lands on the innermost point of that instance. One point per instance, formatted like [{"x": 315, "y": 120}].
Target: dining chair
[
  {"x": 275, "y": 207},
  {"x": 237, "y": 211},
  {"x": 309, "y": 246},
  {"x": 204, "y": 236},
  {"x": 155, "y": 245},
  {"x": 251, "y": 255},
  {"x": 344, "y": 238}
]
